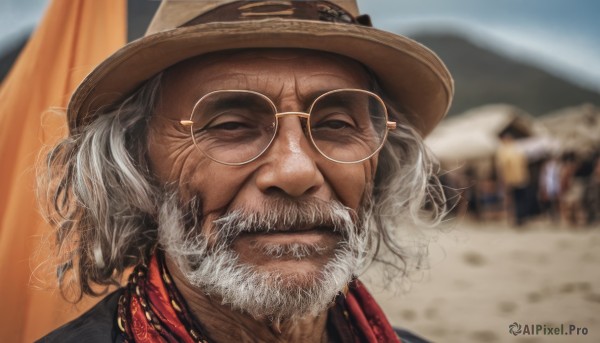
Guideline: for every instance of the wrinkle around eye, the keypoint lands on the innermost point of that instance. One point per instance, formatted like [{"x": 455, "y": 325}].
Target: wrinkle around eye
[
  {"x": 180, "y": 157},
  {"x": 177, "y": 154},
  {"x": 179, "y": 149},
  {"x": 177, "y": 141}
]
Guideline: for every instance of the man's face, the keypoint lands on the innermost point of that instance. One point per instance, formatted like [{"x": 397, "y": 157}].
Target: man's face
[{"x": 291, "y": 169}]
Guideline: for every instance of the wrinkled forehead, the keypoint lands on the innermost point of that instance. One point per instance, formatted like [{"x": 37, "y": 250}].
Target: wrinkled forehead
[{"x": 240, "y": 69}]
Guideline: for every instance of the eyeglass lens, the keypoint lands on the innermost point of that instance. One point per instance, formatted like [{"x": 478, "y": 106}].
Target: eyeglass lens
[{"x": 237, "y": 126}]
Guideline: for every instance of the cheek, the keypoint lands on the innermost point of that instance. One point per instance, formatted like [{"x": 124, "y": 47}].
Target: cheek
[
  {"x": 218, "y": 185},
  {"x": 350, "y": 182},
  {"x": 174, "y": 160},
  {"x": 169, "y": 152}
]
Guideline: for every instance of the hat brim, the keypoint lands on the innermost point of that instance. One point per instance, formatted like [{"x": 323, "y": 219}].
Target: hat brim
[{"x": 410, "y": 74}]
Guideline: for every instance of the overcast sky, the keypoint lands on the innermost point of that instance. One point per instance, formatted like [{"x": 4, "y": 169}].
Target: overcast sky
[{"x": 560, "y": 35}]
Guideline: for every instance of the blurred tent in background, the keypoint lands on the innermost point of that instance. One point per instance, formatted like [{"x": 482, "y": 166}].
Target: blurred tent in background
[
  {"x": 576, "y": 128},
  {"x": 473, "y": 137},
  {"x": 71, "y": 39}
]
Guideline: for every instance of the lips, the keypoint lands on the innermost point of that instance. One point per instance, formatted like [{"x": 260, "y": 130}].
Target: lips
[{"x": 282, "y": 245}]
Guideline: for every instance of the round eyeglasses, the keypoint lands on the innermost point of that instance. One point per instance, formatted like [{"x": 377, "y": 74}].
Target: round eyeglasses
[{"x": 235, "y": 127}]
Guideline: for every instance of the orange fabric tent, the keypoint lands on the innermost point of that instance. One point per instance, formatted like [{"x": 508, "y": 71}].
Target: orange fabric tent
[{"x": 72, "y": 38}]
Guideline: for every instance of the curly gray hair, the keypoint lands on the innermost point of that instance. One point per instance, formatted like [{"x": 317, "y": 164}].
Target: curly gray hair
[{"x": 98, "y": 192}]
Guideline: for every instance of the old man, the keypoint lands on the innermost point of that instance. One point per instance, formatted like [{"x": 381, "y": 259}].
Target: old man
[{"x": 248, "y": 159}]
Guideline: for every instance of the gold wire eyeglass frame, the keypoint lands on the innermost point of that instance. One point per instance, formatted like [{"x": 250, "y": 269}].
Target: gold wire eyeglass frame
[{"x": 390, "y": 125}]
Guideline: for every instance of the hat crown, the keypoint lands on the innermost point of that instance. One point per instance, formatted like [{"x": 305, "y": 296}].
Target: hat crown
[{"x": 175, "y": 13}]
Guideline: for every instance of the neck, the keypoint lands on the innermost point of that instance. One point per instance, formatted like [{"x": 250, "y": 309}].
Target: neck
[{"x": 224, "y": 324}]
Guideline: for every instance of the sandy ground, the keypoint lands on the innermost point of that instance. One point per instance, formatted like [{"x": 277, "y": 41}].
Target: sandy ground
[{"x": 484, "y": 277}]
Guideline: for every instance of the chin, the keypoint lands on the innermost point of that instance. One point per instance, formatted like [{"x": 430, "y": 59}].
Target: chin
[
  {"x": 297, "y": 274},
  {"x": 270, "y": 274},
  {"x": 277, "y": 289}
]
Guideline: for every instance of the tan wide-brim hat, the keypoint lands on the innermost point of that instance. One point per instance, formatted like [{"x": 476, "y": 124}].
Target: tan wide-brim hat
[{"x": 412, "y": 76}]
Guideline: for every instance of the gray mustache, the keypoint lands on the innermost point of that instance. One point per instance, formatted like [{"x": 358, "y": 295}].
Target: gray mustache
[{"x": 282, "y": 215}]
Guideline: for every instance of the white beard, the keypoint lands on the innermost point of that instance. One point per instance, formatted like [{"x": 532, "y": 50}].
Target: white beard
[{"x": 217, "y": 269}]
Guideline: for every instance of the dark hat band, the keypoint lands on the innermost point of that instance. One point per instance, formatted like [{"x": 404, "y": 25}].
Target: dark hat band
[{"x": 295, "y": 9}]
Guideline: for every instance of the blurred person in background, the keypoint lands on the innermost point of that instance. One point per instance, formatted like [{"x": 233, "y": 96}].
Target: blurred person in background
[
  {"x": 593, "y": 193},
  {"x": 573, "y": 184},
  {"x": 513, "y": 172},
  {"x": 586, "y": 173},
  {"x": 550, "y": 188}
]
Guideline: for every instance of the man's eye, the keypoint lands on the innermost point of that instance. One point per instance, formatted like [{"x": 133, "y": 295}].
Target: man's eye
[
  {"x": 230, "y": 121},
  {"x": 228, "y": 126},
  {"x": 333, "y": 121},
  {"x": 334, "y": 124}
]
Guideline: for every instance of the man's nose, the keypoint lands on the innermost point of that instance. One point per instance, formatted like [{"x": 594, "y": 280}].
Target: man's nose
[{"x": 290, "y": 162}]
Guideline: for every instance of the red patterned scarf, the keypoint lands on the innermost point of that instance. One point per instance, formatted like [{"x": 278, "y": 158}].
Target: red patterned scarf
[{"x": 152, "y": 310}]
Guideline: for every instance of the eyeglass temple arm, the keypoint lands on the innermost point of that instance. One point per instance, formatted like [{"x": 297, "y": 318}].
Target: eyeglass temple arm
[
  {"x": 391, "y": 125},
  {"x": 186, "y": 122}
]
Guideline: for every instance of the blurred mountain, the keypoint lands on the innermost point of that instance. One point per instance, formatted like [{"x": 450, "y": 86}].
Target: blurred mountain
[
  {"x": 9, "y": 54},
  {"x": 139, "y": 15},
  {"x": 482, "y": 77}
]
